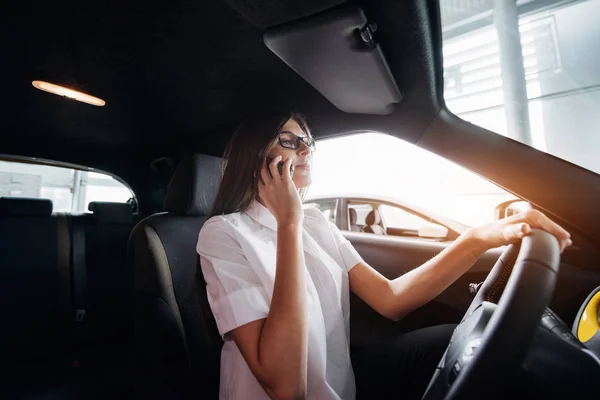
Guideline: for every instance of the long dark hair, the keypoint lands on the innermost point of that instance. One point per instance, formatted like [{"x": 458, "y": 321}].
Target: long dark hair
[{"x": 243, "y": 159}]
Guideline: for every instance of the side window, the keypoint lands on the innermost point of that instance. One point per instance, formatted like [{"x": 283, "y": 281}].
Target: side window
[
  {"x": 374, "y": 165},
  {"x": 70, "y": 190},
  {"x": 397, "y": 218},
  {"x": 327, "y": 207},
  {"x": 102, "y": 187}
]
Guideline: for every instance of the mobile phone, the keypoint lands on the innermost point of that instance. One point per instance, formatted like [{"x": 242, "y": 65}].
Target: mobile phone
[{"x": 279, "y": 166}]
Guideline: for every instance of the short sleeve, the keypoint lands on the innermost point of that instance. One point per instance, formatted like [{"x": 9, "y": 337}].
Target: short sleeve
[
  {"x": 235, "y": 294},
  {"x": 349, "y": 254}
]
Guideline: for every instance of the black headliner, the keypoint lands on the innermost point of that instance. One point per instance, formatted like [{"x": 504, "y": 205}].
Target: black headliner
[{"x": 174, "y": 74}]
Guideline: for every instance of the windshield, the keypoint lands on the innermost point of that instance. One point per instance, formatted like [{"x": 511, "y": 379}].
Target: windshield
[{"x": 528, "y": 70}]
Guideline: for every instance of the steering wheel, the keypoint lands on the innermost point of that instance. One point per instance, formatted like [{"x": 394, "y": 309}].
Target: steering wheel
[{"x": 491, "y": 341}]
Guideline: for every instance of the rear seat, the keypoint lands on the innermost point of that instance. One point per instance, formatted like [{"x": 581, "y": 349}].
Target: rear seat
[
  {"x": 34, "y": 302},
  {"x": 55, "y": 269},
  {"x": 35, "y": 288}
]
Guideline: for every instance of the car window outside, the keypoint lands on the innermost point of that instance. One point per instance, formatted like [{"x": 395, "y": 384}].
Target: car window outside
[
  {"x": 327, "y": 207},
  {"x": 527, "y": 70},
  {"x": 394, "y": 217},
  {"x": 70, "y": 190},
  {"x": 375, "y": 164}
]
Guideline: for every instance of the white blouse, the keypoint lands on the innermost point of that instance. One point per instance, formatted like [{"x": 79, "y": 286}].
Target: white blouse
[{"x": 238, "y": 256}]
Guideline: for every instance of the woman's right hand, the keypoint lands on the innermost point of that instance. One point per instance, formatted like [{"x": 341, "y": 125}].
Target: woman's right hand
[{"x": 279, "y": 194}]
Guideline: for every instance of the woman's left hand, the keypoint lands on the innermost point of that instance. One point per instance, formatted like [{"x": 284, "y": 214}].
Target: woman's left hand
[{"x": 512, "y": 229}]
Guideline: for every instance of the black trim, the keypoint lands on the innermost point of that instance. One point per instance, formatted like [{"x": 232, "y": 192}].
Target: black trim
[
  {"x": 64, "y": 265},
  {"x": 79, "y": 272}
]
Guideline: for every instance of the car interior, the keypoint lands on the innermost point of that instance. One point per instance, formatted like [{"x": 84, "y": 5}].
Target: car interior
[{"x": 112, "y": 303}]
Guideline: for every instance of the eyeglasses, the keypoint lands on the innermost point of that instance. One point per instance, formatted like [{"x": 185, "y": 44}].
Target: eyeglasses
[{"x": 291, "y": 141}]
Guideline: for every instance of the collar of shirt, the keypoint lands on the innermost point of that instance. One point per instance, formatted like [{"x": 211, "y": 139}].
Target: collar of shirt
[{"x": 262, "y": 215}]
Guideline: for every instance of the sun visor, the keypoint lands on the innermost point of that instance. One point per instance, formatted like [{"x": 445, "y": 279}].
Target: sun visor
[{"x": 337, "y": 54}]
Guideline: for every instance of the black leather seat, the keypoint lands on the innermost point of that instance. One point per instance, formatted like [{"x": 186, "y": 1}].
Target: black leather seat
[
  {"x": 37, "y": 318},
  {"x": 50, "y": 355},
  {"x": 177, "y": 342},
  {"x": 373, "y": 222},
  {"x": 34, "y": 311}
]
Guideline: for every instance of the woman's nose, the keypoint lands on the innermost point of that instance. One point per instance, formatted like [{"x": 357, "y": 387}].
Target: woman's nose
[{"x": 303, "y": 149}]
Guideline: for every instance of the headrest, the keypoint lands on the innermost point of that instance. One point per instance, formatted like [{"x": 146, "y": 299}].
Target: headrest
[
  {"x": 194, "y": 185},
  {"x": 353, "y": 216},
  {"x": 373, "y": 218},
  {"x": 111, "y": 213},
  {"x": 22, "y": 207}
]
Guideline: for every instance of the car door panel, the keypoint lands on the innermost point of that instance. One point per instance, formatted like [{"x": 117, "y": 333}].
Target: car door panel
[
  {"x": 402, "y": 232},
  {"x": 394, "y": 256}
]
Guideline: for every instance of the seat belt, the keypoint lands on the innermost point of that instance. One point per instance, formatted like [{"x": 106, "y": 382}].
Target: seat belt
[
  {"x": 64, "y": 266},
  {"x": 79, "y": 272},
  {"x": 80, "y": 292}
]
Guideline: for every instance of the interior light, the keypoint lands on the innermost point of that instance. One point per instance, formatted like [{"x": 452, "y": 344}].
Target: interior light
[{"x": 66, "y": 92}]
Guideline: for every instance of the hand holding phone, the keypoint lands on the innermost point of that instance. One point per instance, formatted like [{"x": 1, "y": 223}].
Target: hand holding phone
[
  {"x": 280, "y": 196},
  {"x": 279, "y": 166}
]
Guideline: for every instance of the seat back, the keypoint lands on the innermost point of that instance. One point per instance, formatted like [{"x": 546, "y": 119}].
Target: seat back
[
  {"x": 353, "y": 218},
  {"x": 177, "y": 342},
  {"x": 49, "y": 318},
  {"x": 34, "y": 313},
  {"x": 373, "y": 222}
]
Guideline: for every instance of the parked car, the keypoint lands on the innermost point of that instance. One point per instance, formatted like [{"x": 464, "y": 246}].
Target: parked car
[{"x": 385, "y": 216}]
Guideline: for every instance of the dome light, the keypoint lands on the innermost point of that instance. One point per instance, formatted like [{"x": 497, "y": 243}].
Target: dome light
[{"x": 69, "y": 93}]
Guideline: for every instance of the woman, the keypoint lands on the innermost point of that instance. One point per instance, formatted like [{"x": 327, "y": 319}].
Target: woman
[{"x": 278, "y": 276}]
